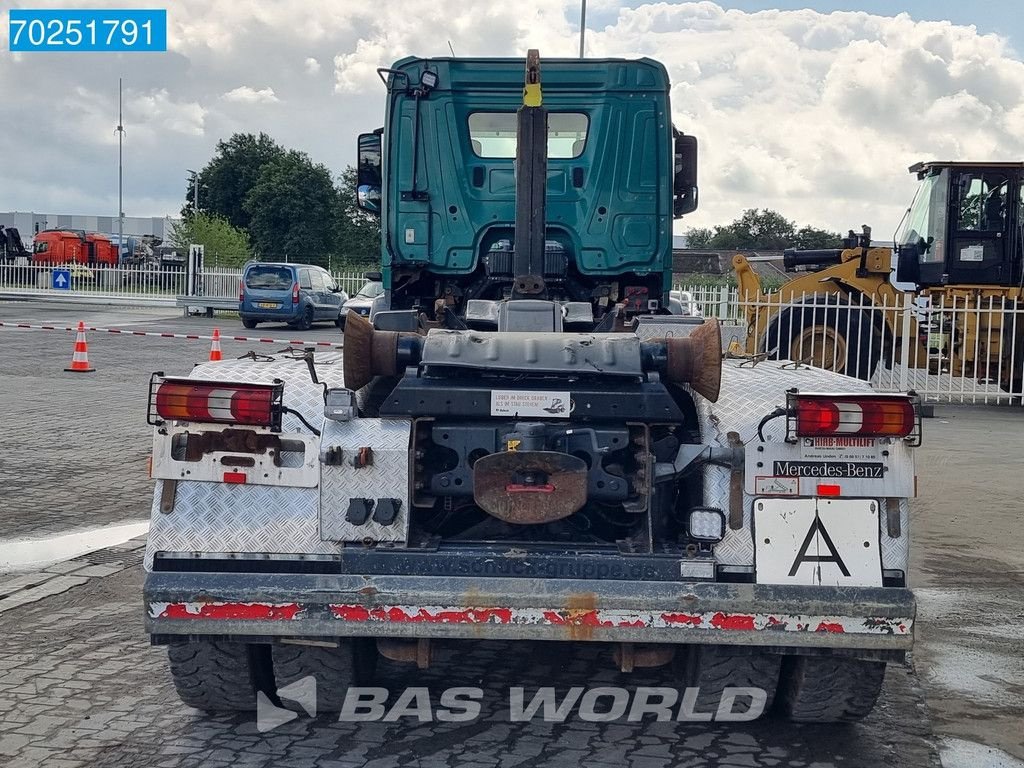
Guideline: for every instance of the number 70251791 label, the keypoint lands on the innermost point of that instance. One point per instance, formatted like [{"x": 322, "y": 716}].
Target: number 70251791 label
[{"x": 73, "y": 29}]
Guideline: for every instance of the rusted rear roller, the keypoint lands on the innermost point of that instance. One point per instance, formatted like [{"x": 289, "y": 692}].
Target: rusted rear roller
[{"x": 697, "y": 360}]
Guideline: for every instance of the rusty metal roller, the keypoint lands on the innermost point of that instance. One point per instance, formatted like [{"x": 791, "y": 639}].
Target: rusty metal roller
[
  {"x": 697, "y": 360},
  {"x": 369, "y": 352}
]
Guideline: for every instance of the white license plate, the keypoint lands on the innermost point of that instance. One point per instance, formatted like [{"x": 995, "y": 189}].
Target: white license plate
[
  {"x": 829, "y": 542},
  {"x": 268, "y": 305}
]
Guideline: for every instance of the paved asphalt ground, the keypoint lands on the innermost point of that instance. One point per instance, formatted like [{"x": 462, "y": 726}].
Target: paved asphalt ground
[{"x": 80, "y": 685}]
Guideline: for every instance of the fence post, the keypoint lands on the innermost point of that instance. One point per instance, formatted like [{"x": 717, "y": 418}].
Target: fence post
[{"x": 905, "y": 340}]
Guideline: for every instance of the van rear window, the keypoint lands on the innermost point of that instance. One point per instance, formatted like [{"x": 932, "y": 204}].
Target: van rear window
[{"x": 269, "y": 278}]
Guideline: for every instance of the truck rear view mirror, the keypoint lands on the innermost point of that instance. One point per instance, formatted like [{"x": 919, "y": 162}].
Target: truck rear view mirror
[
  {"x": 368, "y": 182},
  {"x": 684, "y": 180}
]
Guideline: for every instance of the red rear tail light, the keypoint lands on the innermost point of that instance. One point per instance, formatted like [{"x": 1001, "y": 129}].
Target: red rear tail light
[
  {"x": 853, "y": 416},
  {"x": 215, "y": 402},
  {"x": 241, "y": 292},
  {"x": 295, "y": 293}
]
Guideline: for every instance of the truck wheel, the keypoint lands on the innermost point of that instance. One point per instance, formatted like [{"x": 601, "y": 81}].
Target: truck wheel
[
  {"x": 250, "y": 324},
  {"x": 714, "y": 668},
  {"x": 822, "y": 689},
  {"x": 353, "y": 662},
  {"x": 217, "y": 676},
  {"x": 829, "y": 337}
]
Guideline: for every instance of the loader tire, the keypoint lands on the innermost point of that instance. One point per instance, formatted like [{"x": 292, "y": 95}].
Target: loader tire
[
  {"x": 334, "y": 669},
  {"x": 828, "y": 336},
  {"x": 219, "y": 676},
  {"x": 822, "y": 689},
  {"x": 714, "y": 668}
]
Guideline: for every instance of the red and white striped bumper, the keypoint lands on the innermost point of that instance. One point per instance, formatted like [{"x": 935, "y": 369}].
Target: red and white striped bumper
[{"x": 276, "y": 605}]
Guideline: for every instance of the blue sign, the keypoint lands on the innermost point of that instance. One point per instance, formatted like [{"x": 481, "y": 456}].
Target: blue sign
[
  {"x": 76, "y": 29},
  {"x": 60, "y": 279}
]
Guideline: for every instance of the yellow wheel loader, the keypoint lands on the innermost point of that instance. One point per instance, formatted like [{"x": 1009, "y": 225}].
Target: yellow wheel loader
[{"x": 956, "y": 304}]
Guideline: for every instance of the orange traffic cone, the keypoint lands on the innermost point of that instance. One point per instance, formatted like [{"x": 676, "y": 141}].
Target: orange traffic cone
[
  {"x": 80, "y": 360},
  {"x": 215, "y": 354}
]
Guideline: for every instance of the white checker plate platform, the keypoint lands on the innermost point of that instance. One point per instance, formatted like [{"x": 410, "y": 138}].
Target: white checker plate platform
[{"x": 748, "y": 394}]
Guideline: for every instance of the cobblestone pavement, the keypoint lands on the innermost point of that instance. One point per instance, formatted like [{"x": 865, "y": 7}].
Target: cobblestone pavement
[{"x": 80, "y": 685}]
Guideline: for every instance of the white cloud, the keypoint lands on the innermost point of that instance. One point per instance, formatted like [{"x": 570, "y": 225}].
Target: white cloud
[
  {"x": 819, "y": 115},
  {"x": 246, "y": 95},
  {"x": 159, "y": 112},
  {"x": 816, "y": 115}
]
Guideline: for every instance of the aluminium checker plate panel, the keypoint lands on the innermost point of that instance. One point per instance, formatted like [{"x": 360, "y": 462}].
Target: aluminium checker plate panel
[
  {"x": 386, "y": 477},
  {"x": 748, "y": 393},
  {"x": 896, "y": 549},
  {"x": 216, "y": 517}
]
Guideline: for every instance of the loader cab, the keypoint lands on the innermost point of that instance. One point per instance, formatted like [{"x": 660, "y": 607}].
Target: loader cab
[{"x": 964, "y": 226}]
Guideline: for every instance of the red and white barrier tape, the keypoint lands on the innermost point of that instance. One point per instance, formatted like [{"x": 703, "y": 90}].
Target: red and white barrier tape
[{"x": 189, "y": 336}]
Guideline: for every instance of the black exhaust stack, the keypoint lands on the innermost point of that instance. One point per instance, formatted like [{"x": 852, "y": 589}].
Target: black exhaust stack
[{"x": 531, "y": 186}]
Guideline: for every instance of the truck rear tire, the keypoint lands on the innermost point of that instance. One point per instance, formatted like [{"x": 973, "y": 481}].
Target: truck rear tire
[
  {"x": 713, "y": 668},
  {"x": 335, "y": 669},
  {"x": 219, "y": 676},
  {"x": 822, "y": 689}
]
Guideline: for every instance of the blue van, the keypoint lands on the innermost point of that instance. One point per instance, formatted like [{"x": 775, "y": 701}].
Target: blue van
[{"x": 297, "y": 294}]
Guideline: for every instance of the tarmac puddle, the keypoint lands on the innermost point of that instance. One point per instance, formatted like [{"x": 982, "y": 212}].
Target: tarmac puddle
[
  {"x": 959, "y": 753},
  {"x": 973, "y": 644},
  {"x": 30, "y": 554}
]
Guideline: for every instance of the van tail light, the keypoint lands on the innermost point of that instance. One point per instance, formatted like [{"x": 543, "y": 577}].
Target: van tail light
[
  {"x": 215, "y": 402},
  {"x": 241, "y": 291},
  {"x": 295, "y": 293},
  {"x": 846, "y": 416}
]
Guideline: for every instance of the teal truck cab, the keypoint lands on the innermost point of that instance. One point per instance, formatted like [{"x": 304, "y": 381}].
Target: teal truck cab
[{"x": 604, "y": 179}]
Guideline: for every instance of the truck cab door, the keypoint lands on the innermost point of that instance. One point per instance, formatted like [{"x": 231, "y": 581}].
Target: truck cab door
[{"x": 982, "y": 203}]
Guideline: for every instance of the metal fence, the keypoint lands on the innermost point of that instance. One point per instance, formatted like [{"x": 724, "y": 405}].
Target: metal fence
[
  {"x": 128, "y": 285},
  {"x": 955, "y": 347},
  {"x": 960, "y": 346},
  {"x": 721, "y": 301}
]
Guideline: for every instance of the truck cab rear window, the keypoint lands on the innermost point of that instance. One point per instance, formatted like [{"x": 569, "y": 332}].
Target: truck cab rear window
[
  {"x": 493, "y": 134},
  {"x": 270, "y": 278}
]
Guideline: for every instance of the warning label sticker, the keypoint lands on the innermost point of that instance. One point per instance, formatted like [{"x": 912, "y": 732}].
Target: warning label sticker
[
  {"x": 544, "y": 405},
  {"x": 972, "y": 253},
  {"x": 777, "y": 486}
]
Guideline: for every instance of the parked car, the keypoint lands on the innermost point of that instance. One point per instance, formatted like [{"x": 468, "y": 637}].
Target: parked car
[
  {"x": 682, "y": 303},
  {"x": 297, "y": 294},
  {"x": 362, "y": 302}
]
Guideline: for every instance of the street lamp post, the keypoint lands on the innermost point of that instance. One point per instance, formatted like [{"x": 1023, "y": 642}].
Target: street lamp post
[
  {"x": 120, "y": 174},
  {"x": 583, "y": 24}
]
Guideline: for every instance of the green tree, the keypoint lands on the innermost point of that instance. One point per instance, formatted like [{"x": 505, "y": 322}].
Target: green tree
[
  {"x": 809, "y": 237},
  {"x": 225, "y": 181},
  {"x": 293, "y": 210},
  {"x": 767, "y": 229},
  {"x": 698, "y": 237},
  {"x": 357, "y": 239},
  {"x": 225, "y": 245},
  {"x": 758, "y": 229}
]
